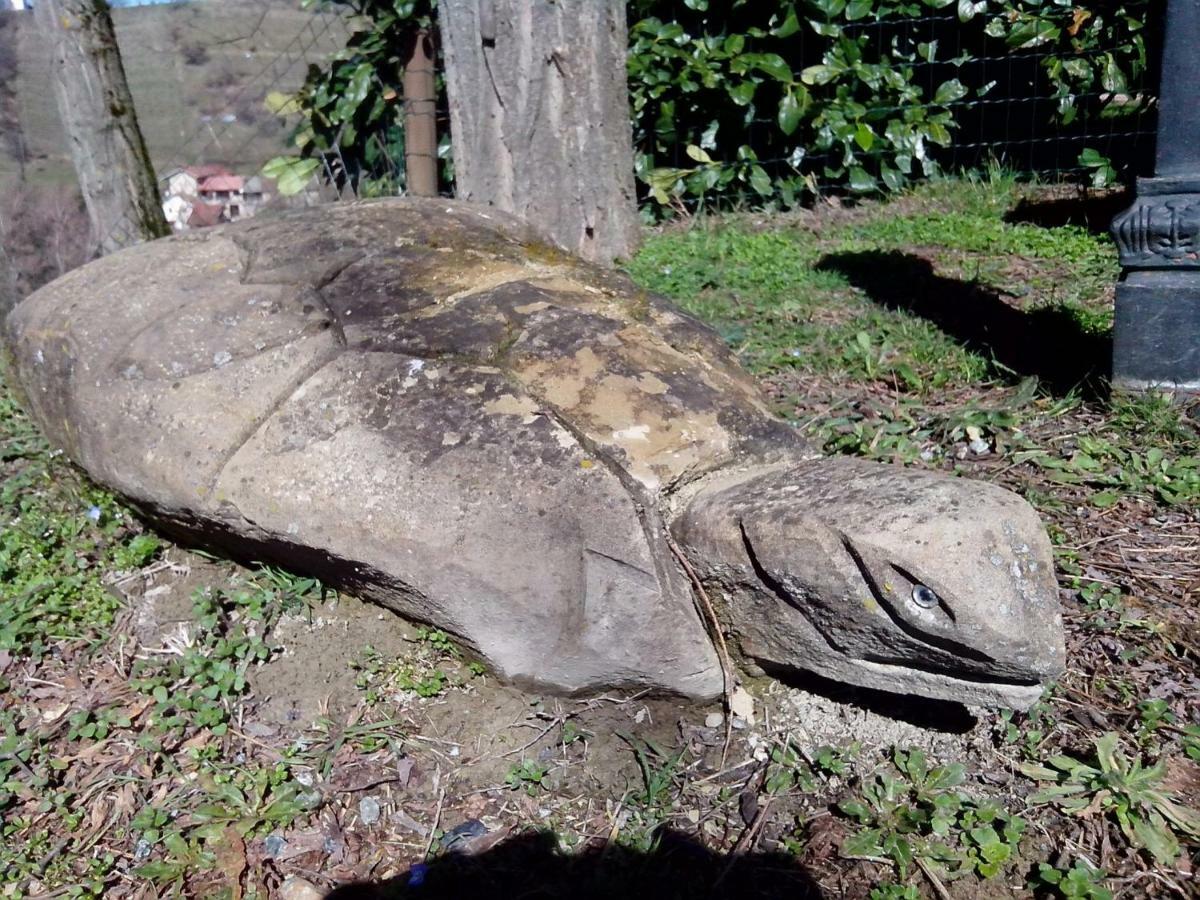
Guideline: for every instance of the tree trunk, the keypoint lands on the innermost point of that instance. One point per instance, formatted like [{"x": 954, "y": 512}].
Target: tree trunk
[
  {"x": 111, "y": 162},
  {"x": 420, "y": 118},
  {"x": 539, "y": 116}
]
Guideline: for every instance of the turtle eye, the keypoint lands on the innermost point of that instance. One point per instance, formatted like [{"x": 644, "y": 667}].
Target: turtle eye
[{"x": 925, "y": 597}]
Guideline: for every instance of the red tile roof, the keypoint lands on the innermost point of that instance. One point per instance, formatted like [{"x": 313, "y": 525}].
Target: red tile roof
[{"x": 215, "y": 183}]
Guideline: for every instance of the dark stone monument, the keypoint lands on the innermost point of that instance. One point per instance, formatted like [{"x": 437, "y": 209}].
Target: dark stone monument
[{"x": 1156, "y": 332}]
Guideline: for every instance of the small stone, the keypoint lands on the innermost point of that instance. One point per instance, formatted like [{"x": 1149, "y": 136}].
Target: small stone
[
  {"x": 979, "y": 446},
  {"x": 742, "y": 704},
  {"x": 142, "y": 849},
  {"x": 368, "y": 810},
  {"x": 714, "y": 720},
  {"x": 222, "y": 358},
  {"x": 309, "y": 799},
  {"x": 296, "y": 888},
  {"x": 273, "y": 845},
  {"x": 463, "y": 832}
]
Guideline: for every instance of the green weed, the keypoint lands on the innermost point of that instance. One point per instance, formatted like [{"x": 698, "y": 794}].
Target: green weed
[
  {"x": 1132, "y": 793},
  {"x": 528, "y": 775},
  {"x": 1080, "y": 882},
  {"x": 913, "y": 811},
  {"x": 61, "y": 537}
]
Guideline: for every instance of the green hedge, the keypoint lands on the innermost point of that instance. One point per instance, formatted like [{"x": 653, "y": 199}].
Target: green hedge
[{"x": 768, "y": 100}]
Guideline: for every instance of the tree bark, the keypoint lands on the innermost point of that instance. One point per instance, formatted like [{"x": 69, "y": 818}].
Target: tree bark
[
  {"x": 114, "y": 170},
  {"x": 420, "y": 118},
  {"x": 539, "y": 116}
]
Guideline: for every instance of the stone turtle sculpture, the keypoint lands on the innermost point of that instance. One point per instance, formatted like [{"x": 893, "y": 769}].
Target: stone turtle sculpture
[{"x": 422, "y": 404}]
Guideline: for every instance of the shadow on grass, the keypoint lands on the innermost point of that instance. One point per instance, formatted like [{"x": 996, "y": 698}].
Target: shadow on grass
[
  {"x": 1047, "y": 342},
  {"x": 531, "y": 867},
  {"x": 1092, "y": 211}
]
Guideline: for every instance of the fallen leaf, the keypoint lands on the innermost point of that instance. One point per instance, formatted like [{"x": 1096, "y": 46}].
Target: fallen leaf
[
  {"x": 230, "y": 856},
  {"x": 296, "y": 888},
  {"x": 55, "y": 712},
  {"x": 742, "y": 704}
]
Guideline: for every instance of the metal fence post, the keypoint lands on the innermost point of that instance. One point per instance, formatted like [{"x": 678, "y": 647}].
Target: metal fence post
[{"x": 1156, "y": 330}]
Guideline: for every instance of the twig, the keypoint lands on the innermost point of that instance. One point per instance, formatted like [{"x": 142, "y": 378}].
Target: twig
[
  {"x": 938, "y": 887},
  {"x": 54, "y": 853},
  {"x": 437, "y": 814},
  {"x": 746, "y": 841},
  {"x": 714, "y": 625},
  {"x": 558, "y": 720},
  {"x": 370, "y": 784}
]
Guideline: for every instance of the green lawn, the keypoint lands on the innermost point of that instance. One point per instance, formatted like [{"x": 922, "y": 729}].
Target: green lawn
[{"x": 933, "y": 330}]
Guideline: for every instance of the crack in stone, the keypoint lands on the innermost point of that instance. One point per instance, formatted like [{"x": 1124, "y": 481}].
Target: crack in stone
[
  {"x": 649, "y": 517},
  {"x": 318, "y": 362}
]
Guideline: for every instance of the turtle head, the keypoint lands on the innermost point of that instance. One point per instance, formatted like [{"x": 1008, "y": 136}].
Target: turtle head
[{"x": 888, "y": 578}]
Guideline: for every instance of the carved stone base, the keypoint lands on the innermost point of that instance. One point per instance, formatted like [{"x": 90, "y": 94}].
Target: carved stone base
[{"x": 1156, "y": 331}]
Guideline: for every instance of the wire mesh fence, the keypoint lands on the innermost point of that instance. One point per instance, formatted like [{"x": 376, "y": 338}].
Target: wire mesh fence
[
  {"x": 1016, "y": 111},
  {"x": 208, "y": 80}
]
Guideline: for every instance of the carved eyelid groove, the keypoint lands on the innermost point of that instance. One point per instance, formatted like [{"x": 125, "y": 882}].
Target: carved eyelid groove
[
  {"x": 908, "y": 628},
  {"x": 945, "y": 607}
]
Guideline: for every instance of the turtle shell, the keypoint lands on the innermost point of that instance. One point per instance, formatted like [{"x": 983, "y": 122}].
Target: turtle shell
[{"x": 418, "y": 401}]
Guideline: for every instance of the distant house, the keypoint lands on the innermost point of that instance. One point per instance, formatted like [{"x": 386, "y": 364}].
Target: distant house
[
  {"x": 192, "y": 194},
  {"x": 221, "y": 187},
  {"x": 185, "y": 182},
  {"x": 205, "y": 215}
]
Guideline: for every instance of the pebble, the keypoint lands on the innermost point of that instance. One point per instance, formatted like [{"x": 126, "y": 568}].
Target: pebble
[
  {"x": 462, "y": 833},
  {"x": 274, "y": 844},
  {"x": 714, "y": 720},
  {"x": 368, "y": 810},
  {"x": 297, "y": 888}
]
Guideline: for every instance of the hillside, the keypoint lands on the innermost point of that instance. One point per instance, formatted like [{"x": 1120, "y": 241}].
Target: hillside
[{"x": 198, "y": 71}]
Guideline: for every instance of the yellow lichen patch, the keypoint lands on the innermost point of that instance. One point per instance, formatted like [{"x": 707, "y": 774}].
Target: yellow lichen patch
[
  {"x": 512, "y": 405},
  {"x": 547, "y": 254},
  {"x": 649, "y": 383},
  {"x": 660, "y": 436},
  {"x": 647, "y": 351},
  {"x": 561, "y": 282},
  {"x": 563, "y": 382},
  {"x": 659, "y": 443},
  {"x": 450, "y": 284}
]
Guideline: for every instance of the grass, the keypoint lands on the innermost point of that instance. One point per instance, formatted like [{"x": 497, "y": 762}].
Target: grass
[
  {"x": 858, "y": 324},
  {"x": 64, "y": 542}
]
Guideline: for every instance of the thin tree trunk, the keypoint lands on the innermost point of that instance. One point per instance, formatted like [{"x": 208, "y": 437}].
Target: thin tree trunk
[
  {"x": 111, "y": 162},
  {"x": 539, "y": 116},
  {"x": 420, "y": 118},
  {"x": 9, "y": 292}
]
